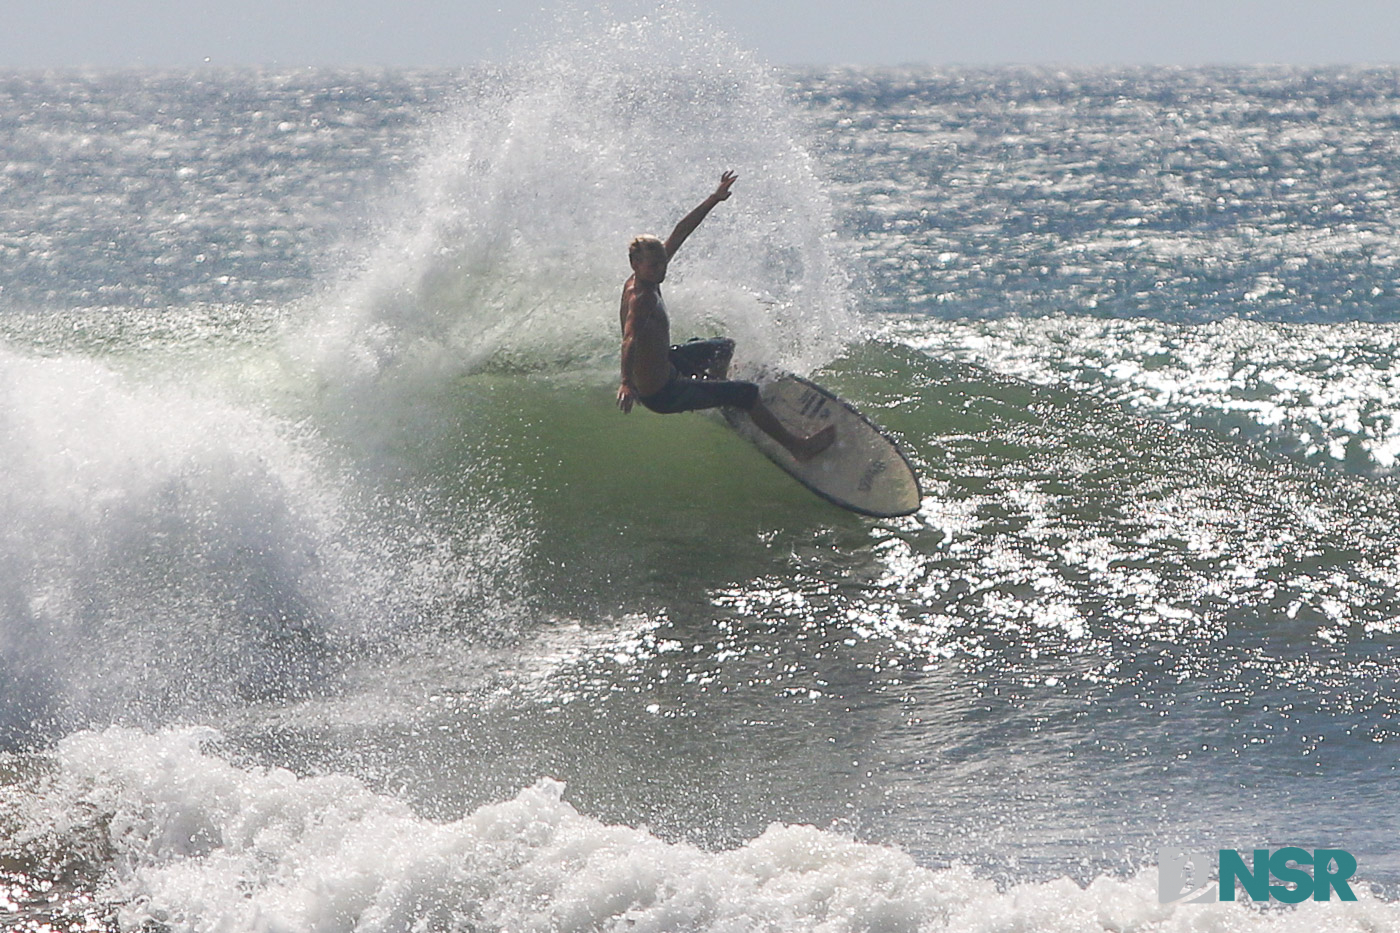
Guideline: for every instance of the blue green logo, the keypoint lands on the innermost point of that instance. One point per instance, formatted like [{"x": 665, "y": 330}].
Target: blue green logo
[
  {"x": 1330, "y": 870},
  {"x": 1281, "y": 875}
]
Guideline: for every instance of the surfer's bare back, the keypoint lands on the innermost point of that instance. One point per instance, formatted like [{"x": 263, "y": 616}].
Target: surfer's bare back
[{"x": 691, "y": 376}]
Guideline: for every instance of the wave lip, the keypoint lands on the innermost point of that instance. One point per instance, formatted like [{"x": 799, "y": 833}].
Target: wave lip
[{"x": 166, "y": 556}]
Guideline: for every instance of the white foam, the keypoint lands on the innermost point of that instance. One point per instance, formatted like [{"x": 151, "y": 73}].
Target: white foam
[
  {"x": 202, "y": 844},
  {"x": 164, "y": 553}
]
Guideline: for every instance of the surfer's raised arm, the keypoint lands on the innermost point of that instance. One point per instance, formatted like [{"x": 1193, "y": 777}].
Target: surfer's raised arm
[{"x": 692, "y": 220}]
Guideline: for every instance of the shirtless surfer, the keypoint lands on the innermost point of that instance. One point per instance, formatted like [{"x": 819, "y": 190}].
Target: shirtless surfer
[{"x": 669, "y": 379}]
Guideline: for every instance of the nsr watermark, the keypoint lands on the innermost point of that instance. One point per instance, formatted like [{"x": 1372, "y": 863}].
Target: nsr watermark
[{"x": 1182, "y": 876}]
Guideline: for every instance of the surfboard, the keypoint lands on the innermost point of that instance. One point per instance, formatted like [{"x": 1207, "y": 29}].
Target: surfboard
[{"x": 863, "y": 470}]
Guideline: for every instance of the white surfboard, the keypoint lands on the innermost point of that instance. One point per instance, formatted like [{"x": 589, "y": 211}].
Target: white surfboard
[{"x": 863, "y": 470}]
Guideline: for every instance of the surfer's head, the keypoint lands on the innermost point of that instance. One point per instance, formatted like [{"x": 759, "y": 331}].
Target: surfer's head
[{"x": 648, "y": 257}]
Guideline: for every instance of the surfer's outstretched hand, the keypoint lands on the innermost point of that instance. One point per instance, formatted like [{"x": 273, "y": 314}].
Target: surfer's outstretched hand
[
  {"x": 625, "y": 397},
  {"x": 725, "y": 180}
]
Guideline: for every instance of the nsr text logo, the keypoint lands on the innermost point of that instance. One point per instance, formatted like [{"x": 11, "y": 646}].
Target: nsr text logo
[{"x": 1331, "y": 869}]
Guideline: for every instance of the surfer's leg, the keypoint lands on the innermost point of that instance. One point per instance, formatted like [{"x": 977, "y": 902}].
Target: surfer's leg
[
  {"x": 801, "y": 448},
  {"x": 694, "y": 394}
]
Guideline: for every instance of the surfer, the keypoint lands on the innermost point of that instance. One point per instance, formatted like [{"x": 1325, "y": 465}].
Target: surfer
[{"x": 694, "y": 375}]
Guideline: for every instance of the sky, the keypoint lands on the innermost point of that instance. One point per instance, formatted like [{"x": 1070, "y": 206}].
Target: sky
[{"x": 451, "y": 33}]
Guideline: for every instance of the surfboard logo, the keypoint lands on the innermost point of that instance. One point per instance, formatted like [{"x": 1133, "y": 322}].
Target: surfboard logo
[
  {"x": 812, "y": 405},
  {"x": 867, "y": 479}
]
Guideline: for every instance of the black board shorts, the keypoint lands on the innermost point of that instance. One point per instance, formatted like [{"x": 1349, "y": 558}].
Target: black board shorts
[{"x": 692, "y": 389}]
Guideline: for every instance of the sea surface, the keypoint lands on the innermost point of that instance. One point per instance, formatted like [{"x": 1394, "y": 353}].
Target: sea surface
[{"x": 336, "y": 594}]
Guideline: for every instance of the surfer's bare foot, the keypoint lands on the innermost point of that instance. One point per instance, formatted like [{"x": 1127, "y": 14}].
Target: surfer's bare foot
[{"x": 810, "y": 447}]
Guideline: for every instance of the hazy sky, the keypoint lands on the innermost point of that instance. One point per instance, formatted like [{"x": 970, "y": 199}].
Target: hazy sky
[{"x": 66, "y": 33}]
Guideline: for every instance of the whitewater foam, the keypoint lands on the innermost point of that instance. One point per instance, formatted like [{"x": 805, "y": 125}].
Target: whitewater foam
[
  {"x": 165, "y": 553},
  {"x": 202, "y": 843}
]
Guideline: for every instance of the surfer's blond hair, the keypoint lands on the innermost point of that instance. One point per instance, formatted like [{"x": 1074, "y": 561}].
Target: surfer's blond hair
[{"x": 643, "y": 245}]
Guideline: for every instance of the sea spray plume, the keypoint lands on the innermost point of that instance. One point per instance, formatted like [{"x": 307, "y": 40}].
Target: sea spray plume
[
  {"x": 158, "y": 551},
  {"x": 165, "y": 555},
  {"x": 512, "y": 242},
  {"x": 508, "y": 250}
]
